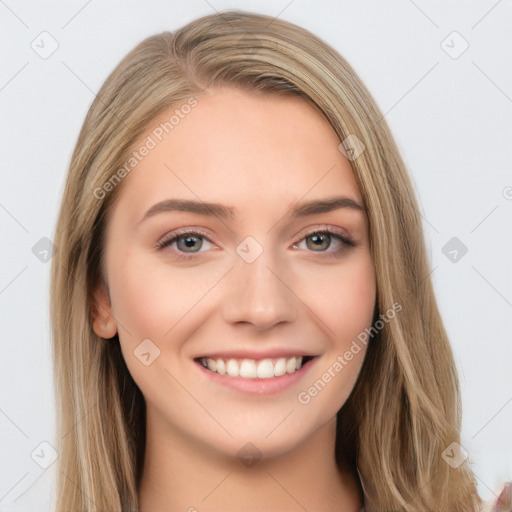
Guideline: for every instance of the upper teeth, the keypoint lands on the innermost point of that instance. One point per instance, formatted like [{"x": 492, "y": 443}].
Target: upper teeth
[{"x": 251, "y": 368}]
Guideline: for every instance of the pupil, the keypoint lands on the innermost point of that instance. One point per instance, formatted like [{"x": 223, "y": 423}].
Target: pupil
[
  {"x": 190, "y": 241},
  {"x": 317, "y": 241}
]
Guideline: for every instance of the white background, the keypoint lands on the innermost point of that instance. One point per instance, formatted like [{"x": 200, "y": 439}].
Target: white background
[{"x": 451, "y": 117}]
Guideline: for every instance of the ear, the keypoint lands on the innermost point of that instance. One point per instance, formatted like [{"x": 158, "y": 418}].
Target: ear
[{"x": 104, "y": 323}]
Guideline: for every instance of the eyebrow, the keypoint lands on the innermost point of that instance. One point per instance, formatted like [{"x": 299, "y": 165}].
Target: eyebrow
[{"x": 303, "y": 209}]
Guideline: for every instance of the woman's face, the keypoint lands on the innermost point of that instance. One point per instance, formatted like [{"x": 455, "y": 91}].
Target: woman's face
[{"x": 249, "y": 284}]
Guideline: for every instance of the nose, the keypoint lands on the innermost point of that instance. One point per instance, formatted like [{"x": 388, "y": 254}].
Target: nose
[{"x": 260, "y": 293}]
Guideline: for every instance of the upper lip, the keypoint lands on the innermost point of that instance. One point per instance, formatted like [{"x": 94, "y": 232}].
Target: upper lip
[{"x": 274, "y": 353}]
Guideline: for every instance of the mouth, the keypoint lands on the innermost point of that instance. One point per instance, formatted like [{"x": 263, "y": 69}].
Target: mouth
[{"x": 245, "y": 368}]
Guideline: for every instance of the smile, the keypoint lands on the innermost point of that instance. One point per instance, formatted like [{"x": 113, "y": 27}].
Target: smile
[{"x": 254, "y": 369}]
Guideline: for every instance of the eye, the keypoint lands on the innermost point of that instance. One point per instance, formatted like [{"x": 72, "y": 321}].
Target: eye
[
  {"x": 190, "y": 242},
  {"x": 321, "y": 240},
  {"x": 185, "y": 240}
]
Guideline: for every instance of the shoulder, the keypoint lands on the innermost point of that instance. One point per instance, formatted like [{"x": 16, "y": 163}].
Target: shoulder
[
  {"x": 504, "y": 501},
  {"x": 501, "y": 503}
]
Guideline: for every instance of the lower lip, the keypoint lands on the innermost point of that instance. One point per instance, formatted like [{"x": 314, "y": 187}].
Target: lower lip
[{"x": 258, "y": 386}]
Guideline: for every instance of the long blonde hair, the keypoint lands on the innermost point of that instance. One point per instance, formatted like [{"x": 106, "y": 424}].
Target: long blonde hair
[{"x": 404, "y": 410}]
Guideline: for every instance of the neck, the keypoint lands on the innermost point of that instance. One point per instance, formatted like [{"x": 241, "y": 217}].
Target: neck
[{"x": 180, "y": 475}]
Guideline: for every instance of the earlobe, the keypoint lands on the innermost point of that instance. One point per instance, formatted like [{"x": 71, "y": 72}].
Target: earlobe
[
  {"x": 105, "y": 330},
  {"x": 104, "y": 323}
]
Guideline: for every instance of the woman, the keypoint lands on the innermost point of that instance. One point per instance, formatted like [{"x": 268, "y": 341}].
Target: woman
[{"x": 242, "y": 311}]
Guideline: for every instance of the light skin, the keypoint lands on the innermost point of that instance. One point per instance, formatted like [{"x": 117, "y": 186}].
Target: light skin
[{"x": 260, "y": 155}]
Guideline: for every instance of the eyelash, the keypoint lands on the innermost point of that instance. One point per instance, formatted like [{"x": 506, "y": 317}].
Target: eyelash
[{"x": 346, "y": 241}]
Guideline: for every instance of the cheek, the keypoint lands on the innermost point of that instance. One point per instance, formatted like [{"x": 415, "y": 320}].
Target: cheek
[
  {"x": 150, "y": 297},
  {"x": 344, "y": 304},
  {"x": 150, "y": 301},
  {"x": 343, "y": 300},
  {"x": 159, "y": 302}
]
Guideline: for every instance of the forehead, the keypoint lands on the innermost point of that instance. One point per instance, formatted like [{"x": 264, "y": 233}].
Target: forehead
[{"x": 240, "y": 148}]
